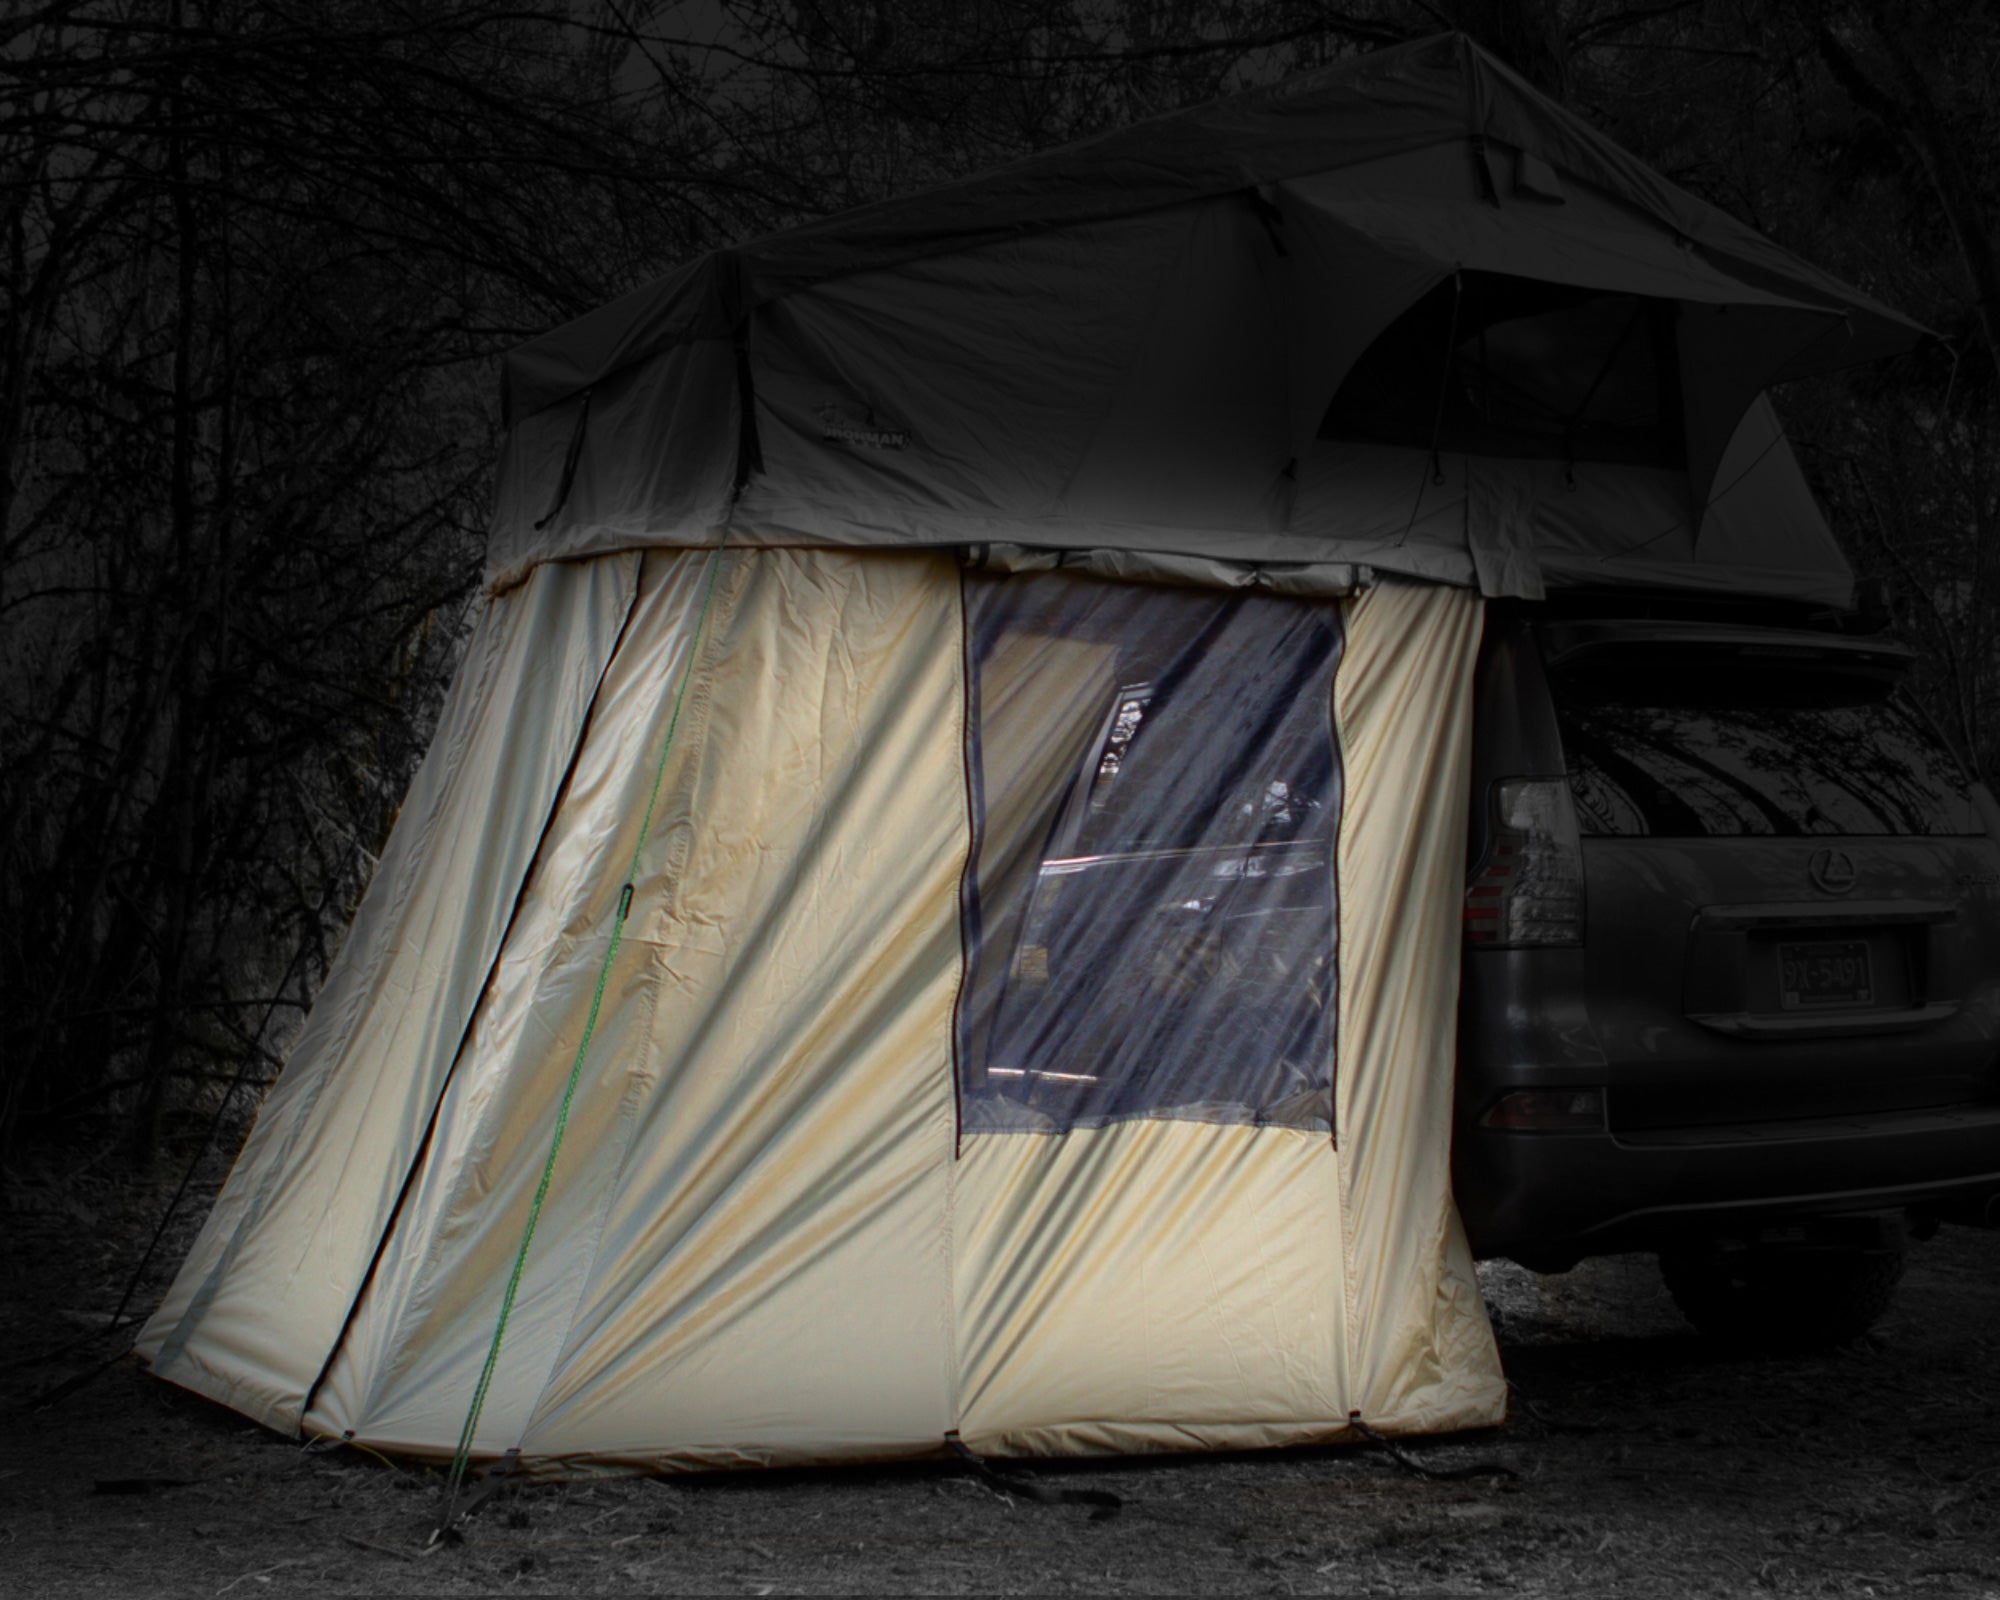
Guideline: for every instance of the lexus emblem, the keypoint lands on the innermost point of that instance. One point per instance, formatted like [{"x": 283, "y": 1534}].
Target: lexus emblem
[{"x": 1832, "y": 871}]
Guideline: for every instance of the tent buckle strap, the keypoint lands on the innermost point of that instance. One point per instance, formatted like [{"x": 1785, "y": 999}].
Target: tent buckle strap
[
  {"x": 1271, "y": 215},
  {"x": 1488, "y": 190},
  {"x": 570, "y": 457}
]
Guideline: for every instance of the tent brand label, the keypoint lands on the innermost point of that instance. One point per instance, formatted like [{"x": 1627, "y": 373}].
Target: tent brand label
[{"x": 843, "y": 429}]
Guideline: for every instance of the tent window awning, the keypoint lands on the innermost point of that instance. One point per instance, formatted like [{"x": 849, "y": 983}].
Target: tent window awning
[{"x": 1496, "y": 365}]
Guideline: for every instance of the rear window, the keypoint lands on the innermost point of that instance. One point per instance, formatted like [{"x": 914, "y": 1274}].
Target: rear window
[{"x": 1732, "y": 752}]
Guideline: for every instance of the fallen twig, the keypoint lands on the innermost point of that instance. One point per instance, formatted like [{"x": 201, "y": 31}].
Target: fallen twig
[
  {"x": 263, "y": 1572},
  {"x": 360, "y": 1543},
  {"x": 1409, "y": 1463}
]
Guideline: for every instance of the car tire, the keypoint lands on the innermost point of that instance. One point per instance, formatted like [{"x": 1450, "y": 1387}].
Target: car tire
[{"x": 1782, "y": 1299}]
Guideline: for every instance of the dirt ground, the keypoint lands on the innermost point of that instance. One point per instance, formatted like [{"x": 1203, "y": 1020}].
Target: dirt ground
[{"x": 1637, "y": 1462}]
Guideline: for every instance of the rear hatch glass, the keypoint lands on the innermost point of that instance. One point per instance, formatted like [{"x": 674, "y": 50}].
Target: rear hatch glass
[
  {"x": 1719, "y": 739},
  {"x": 1773, "y": 844}
]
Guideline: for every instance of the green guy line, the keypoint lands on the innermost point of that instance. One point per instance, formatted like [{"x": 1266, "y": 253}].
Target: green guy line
[{"x": 463, "y": 1454}]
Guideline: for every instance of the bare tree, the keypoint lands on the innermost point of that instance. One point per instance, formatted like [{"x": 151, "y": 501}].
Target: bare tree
[{"x": 255, "y": 257}]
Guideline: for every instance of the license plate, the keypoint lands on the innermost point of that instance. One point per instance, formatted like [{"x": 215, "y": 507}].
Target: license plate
[{"x": 1826, "y": 972}]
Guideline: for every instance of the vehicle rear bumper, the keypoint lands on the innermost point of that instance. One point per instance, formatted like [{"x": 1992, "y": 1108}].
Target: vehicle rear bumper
[{"x": 1553, "y": 1198}]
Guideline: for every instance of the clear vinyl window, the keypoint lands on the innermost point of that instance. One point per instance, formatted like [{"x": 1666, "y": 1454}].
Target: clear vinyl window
[{"x": 1149, "y": 912}]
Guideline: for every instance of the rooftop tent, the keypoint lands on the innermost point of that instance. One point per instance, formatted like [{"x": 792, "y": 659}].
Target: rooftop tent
[
  {"x": 1135, "y": 344},
  {"x": 954, "y": 807}
]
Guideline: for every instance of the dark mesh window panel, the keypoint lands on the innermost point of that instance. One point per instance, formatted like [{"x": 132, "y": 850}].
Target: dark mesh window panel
[{"x": 1149, "y": 913}]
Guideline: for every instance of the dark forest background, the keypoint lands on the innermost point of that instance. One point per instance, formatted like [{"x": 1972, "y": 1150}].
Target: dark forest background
[{"x": 258, "y": 257}]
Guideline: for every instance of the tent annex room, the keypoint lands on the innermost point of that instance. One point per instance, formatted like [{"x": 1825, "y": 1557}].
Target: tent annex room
[{"x": 933, "y": 908}]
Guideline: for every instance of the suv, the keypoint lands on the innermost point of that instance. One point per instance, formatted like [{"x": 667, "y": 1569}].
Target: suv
[{"x": 1731, "y": 979}]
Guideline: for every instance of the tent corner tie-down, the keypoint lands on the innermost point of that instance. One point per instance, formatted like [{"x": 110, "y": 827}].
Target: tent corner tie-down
[{"x": 462, "y": 1456}]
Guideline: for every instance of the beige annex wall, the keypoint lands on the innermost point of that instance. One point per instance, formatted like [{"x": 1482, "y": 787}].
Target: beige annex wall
[
  {"x": 743, "y": 1257},
  {"x": 1165, "y": 1284},
  {"x": 1422, "y": 1352},
  {"x": 260, "y": 1301},
  {"x": 758, "y": 1246}
]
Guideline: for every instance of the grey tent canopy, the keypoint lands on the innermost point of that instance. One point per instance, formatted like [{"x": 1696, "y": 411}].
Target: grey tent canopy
[{"x": 1131, "y": 353}]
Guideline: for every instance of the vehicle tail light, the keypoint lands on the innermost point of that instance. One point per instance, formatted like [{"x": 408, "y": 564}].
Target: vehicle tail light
[
  {"x": 1528, "y": 888},
  {"x": 1547, "y": 1111}
]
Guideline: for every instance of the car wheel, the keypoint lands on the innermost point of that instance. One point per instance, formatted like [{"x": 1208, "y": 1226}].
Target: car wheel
[{"x": 1782, "y": 1299}]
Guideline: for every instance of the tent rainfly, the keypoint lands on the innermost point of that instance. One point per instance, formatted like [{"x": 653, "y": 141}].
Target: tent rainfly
[{"x": 950, "y": 825}]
